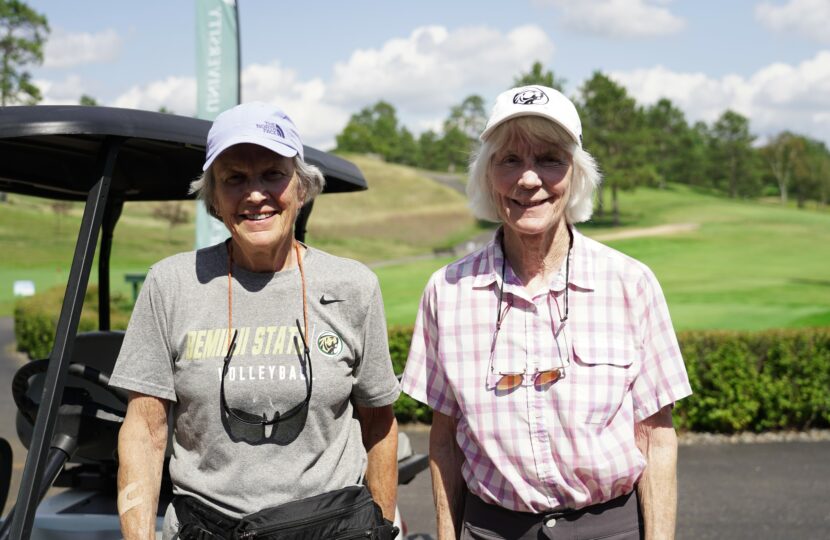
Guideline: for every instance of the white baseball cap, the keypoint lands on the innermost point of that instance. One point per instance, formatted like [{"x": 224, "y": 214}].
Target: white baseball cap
[
  {"x": 255, "y": 123},
  {"x": 535, "y": 100}
]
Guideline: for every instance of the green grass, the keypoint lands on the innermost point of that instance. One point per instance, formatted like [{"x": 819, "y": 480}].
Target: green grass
[
  {"x": 37, "y": 244},
  {"x": 403, "y": 214},
  {"x": 749, "y": 266}
]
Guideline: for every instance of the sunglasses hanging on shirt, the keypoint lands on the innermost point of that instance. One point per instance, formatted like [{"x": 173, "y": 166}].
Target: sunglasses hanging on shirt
[
  {"x": 542, "y": 378},
  {"x": 246, "y": 417}
]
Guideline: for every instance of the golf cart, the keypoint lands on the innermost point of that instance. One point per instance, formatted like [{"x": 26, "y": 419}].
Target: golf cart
[{"x": 68, "y": 417}]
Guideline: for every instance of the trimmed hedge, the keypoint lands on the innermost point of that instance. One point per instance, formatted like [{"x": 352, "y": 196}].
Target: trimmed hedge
[
  {"x": 759, "y": 381},
  {"x": 36, "y": 318},
  {"x": 742, "y": 381}
]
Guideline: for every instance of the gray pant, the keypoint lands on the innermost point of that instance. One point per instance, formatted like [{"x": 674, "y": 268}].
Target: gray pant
[{"x": 617, "y": 519}]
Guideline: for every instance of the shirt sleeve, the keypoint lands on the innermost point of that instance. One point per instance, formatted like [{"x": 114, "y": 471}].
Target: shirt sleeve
[
  {"x": 145, "y": 363},
  {"x": 424, "y": 377},
  {"x": 376, "y": 384},
  {"x": 662, "y": 379}
]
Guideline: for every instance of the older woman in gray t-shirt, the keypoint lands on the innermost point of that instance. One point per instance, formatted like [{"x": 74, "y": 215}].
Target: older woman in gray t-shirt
[{"x": 271, "y": 355}]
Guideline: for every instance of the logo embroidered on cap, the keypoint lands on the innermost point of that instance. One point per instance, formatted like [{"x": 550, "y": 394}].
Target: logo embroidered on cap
[
  {"x": 272, "y": 128},
  {"x": 329, "y": 343},
  {"x": 531, "y": 96}
]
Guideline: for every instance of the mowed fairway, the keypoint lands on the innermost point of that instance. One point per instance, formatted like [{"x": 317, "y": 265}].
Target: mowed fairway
[{"x": 747, "y": 265}]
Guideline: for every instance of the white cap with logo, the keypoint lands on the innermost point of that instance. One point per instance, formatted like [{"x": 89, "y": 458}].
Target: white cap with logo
[
  {"x": 535, "y": 101},
  {"x": 255, "y": 123}
]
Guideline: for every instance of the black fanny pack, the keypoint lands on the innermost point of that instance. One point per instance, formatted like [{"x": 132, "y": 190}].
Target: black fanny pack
[{"x": 338, "y": 515}]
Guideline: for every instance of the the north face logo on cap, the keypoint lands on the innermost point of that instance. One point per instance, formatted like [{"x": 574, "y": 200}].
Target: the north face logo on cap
[
  {"x": 271, "y": 128},
  {"x": 531, "y": 96}
]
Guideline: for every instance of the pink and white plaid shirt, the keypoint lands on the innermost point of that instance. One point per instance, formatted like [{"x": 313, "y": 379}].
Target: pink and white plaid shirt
[{"x": 566, "y": 445}]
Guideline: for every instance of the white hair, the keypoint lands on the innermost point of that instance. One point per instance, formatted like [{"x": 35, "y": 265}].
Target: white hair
[
  {"x": 310, "y": 176},
  {"x": 585, "y": 178}
]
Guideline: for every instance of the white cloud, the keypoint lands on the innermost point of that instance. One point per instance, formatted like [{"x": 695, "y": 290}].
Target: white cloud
[
  {"x": 809, "y": 18},
  {"x": 177, "y": 94},
  {"x": 777, "y": 97},
  {"x": 64, "y": 49},
  {"x": 65, "y": 92},
  {"x": 619, "y": 18},
  {"x": 422, "y": 75},
  {"x": 434, "y": 68},
  {"x": 305, "y": 101}
]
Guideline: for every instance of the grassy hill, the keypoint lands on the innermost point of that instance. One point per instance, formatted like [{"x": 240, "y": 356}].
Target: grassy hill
[
  {"x": 744, "y": 265},
  {"x": 404, "y": 213}
]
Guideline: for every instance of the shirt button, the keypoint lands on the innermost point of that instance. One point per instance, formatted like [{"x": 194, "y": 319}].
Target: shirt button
[{"x": 551, "y": 522}]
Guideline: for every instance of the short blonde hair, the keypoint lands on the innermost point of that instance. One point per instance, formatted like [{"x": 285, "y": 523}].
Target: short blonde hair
[
  {"x": 311, "y": 180},
  {"x": 585, "y": 179}
]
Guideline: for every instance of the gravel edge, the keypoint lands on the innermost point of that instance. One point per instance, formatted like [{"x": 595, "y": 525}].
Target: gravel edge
[
  {"x": 690, "y": 438},
  {"x": 811, "y": 435}
]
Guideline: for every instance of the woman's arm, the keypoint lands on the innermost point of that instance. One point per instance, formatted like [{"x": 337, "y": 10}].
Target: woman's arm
[
  {"x": 448, "y": 489},
  {"x": 380, "y": 437},
  {"x": 142, "y": 441},
  {"x": 657, "y": 487}
]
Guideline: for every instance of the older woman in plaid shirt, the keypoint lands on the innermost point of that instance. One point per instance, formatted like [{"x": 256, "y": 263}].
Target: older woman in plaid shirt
[{"x": 549, "y": 359}]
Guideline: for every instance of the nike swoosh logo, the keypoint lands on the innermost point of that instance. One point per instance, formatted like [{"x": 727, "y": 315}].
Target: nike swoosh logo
[{"x": 324, "y": 300}]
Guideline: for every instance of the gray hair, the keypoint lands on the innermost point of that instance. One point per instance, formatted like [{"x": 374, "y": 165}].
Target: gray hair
[
  {"x": 586, "y": 177},
  {"x": 310, "y": 176}
]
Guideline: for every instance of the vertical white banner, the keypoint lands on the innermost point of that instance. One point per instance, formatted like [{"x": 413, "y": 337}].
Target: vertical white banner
[{"x": 217, "y": 84}]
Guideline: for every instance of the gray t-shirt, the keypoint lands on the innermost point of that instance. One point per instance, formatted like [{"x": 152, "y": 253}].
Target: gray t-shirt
[{"x": 175, "y": 347}]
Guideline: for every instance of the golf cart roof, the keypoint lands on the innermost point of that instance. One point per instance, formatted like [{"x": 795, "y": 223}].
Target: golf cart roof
[{"x": 56, "y": 152}]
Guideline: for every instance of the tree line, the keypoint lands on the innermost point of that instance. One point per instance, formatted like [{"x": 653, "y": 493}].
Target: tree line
[{"x": 635, "y": 145}]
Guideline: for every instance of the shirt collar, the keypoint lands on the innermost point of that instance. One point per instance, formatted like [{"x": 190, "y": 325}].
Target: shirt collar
[{"x": 581, "y": 265}]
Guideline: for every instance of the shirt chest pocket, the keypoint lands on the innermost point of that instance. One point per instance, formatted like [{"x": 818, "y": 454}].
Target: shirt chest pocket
[{"x": 600, "y": 376}]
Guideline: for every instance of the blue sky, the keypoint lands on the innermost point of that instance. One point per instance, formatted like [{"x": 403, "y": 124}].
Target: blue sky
[{"x": 323, "y": 61}]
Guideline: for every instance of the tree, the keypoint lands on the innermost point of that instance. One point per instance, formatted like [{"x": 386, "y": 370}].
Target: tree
[
  {"x": 675, "y": 150},
  {"x": 469, "y": 117},
  {"x": 786, "y": 157},
  {"x": 733, "y": 155},
  {"x": 615, "y": 133},
  {"x": 816, "y": 182},
  {"x": 173, "y": 212},
  {"x": 61, "y": 209},
  {"x": 455, "y": 149},
  {"x": 406, "y": 151},
  {"x": 461, "y": 130},
  {"x": 22, "y": 34},
  {"x": 429, "y": 151},
  {"x": 88, "y": 101},
  {"x": 537, "y": 75},
  {"x": 373, "y": 130}
]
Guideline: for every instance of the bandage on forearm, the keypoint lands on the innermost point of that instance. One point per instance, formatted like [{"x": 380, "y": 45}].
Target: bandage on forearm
[{"x": 131, "y": 496}]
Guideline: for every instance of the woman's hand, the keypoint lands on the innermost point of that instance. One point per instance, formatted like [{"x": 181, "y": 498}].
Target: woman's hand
[
  {"x": 380, "y": 437},
  {"x": 142, "y": 441}
]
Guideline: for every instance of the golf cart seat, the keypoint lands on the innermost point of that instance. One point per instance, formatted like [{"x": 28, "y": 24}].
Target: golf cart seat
[{"x": 90, "y": 412}]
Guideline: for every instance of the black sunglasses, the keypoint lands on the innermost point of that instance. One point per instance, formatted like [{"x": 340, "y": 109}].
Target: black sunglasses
[{"x": 252, "y": 419}]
